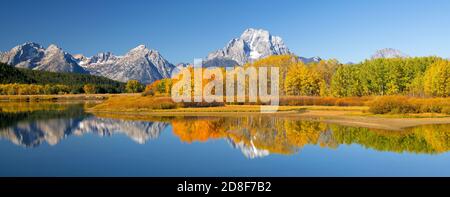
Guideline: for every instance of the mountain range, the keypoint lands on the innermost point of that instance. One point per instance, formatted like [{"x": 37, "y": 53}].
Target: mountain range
[
  {"x": 141, "y": 63},
  {"x": 34, "y": 56},
  {"x": 148, "y": 65}
]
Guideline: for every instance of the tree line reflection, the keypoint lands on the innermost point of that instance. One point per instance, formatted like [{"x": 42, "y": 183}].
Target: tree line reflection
[
  {"x": 287, "y": 136},
  {"x": 255, "y": 136}
]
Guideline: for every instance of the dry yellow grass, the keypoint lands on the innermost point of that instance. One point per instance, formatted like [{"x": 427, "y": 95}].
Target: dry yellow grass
[
  {"x": 135, "y": 103},
  {"x": 337, "y": 108}
]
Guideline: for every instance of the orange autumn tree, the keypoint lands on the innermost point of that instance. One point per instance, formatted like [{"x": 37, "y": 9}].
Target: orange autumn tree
[
  {"x": 204, "y": 81},
  {"x": 257, "y": 132},
  {"x": 161, "y": 87},
  {"x": 199, "y": 130},
  {"x": 283, "y": 62}
]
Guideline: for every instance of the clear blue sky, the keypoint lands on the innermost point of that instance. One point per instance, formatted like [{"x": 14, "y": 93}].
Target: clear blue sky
[{"x": 348, "y": 30}]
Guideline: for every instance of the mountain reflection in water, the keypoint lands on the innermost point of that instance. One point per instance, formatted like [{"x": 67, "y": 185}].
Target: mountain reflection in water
[{"x": 254, "y": 136}]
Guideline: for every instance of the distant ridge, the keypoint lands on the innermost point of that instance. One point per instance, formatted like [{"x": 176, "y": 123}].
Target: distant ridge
[{"x": 388, "y": 53}]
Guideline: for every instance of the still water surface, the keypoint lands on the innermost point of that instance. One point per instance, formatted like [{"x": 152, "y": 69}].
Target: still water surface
[{"x": 62, "y": 140}]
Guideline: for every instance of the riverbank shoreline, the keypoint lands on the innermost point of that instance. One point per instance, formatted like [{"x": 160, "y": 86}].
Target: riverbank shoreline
[
  {"x": 62, "y": 97},
  {"x": 357, "y": 116},
  {"x": 346, "y": 117}
]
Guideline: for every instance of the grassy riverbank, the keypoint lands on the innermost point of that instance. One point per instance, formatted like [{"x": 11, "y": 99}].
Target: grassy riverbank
[
  {"x": 347, "y": 116},
  {"x": 139, "y": 107},
  {"x": 138, "y": 103},
  {"x": 377, "y": 106}
]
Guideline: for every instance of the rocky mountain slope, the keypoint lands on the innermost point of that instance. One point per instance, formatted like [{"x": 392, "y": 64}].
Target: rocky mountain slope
[
  {"x": 140, "y": 63},
  {"x": 33, "y": 56},
  {"x": 143, "y": 64}
]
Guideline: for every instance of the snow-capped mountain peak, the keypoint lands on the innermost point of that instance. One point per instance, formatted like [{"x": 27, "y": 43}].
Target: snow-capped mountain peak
[
  {"x": 253, "y": 44},
  {"x": 53, "y": 47},
  {"x": 26, "y": 55},
  {"x": 141, "y": 47},
  {"x": 57, "y": 60},
  {"x": 33, "y": 56},
  {"x": 100, "y": 58},
  {"x": 139, "y": 50},
  {"x": 140, "y": 63},
  {"x": 80, "y": 57},
  {"x": 388, "y": 53}
]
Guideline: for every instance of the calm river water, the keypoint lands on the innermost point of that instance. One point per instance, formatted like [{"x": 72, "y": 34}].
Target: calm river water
[{"x": 42, "y": 139}]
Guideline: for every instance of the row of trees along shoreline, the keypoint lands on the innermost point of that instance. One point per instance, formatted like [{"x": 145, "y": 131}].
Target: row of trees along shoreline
[{"x": 415, "y": 76}]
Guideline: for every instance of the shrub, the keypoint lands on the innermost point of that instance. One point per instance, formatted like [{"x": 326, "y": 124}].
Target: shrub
[
  {"x": 89, "y": 89},
  {"x": 133, "y": 86},
  {"x": 148, "y": 92},
  {"x": 201, "y": 104},
  {"x": 446, "y": 110},
  {"x": 32, "y": 89},
  {"x": 323, "y": 101},
  {"x": 403, "y": 104},
  {"x": 392, "y": 104},
  {"x": 161, "y": 87}
]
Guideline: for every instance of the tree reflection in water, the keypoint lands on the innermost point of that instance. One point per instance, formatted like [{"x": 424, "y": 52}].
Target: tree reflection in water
[{"x": 255, "y": 136}]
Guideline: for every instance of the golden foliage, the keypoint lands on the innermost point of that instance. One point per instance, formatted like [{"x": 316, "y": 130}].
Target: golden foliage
[
  {"x": 437, "y": 79},
  {"x": 303, "y": 81},
  {"x": 404, "y": 104},
  {"x": 33, "y": 89},
  {"x": 198, "y": 130}
]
